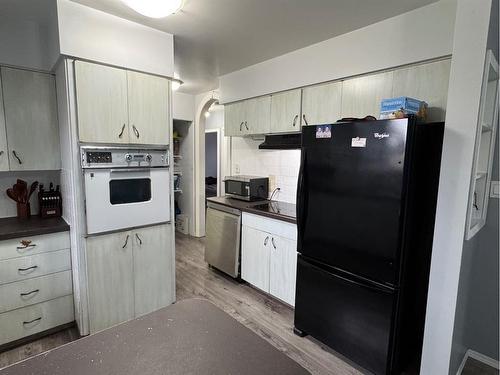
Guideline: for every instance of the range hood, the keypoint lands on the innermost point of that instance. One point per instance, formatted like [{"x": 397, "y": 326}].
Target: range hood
[{"x": 282, "y": 142}]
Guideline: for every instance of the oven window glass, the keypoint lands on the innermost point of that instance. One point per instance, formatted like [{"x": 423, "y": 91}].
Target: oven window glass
[{"x": 130, "y": 190}]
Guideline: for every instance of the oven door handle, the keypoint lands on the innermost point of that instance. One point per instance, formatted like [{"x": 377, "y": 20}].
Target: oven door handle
[{"x": 117, "y": 170}]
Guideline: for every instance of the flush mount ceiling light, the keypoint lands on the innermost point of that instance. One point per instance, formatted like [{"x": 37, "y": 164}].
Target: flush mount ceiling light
[{"x": 155, "y": 8}]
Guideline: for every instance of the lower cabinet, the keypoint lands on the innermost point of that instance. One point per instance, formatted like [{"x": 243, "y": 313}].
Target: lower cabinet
[
  {"x": 129, "y": 273},
  {"x": 36, "y": 290},
  {"x": 269, "y": 256}
]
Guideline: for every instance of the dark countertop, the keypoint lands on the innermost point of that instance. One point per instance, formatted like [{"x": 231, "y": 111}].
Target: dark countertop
[
  {"x": 274, "y": 209},
  {"x": 189, "y": 337},
  {"x": 12, "y": 227}
]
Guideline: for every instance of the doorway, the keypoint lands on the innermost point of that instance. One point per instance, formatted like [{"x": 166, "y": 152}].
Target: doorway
[{"x": 212, "y": 163}]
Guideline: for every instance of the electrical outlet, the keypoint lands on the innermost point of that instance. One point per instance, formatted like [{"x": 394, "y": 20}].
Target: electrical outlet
[
  {"x": 495, "y": 189},
  {"x": 272, "y": 183}
]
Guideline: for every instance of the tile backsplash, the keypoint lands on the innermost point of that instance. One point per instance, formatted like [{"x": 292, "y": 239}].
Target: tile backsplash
[
  {"x": 247, "y": 159},
  {"x": 8, "y": 179}
]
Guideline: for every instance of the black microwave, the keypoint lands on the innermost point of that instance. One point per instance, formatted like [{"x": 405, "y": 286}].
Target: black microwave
[{"x": 248, "y": 188}]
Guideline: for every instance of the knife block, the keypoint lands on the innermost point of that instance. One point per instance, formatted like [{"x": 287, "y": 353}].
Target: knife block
[
  {"x": 23, "y": 210},
  {"x": 50, "y": 203}
]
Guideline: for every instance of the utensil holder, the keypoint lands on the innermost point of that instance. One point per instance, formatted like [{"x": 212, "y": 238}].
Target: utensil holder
[{"x": 23, "y": 210}]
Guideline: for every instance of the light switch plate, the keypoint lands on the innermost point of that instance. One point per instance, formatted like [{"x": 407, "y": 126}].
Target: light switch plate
[{"x": 495, "y": 189}]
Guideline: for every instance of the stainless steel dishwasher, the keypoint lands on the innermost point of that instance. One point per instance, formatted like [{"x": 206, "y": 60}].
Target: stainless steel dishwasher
[{"x": 223, "y": 235}]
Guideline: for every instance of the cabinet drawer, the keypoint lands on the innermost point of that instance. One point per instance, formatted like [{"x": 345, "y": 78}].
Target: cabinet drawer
[
  {"x": 20, "y": 247},
  {"x": 32, "y": 291},
  {"x": 17, "y": 269},
  {"x": 29, "y": 320},
  {"x": 272, "y": 226}
]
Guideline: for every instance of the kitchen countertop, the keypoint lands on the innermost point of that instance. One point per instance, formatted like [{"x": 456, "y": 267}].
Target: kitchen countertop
[
  {"x": 189, "y": 337},
  {"x": 274, "y": 209},
  {"x": 12, "y": 227}
]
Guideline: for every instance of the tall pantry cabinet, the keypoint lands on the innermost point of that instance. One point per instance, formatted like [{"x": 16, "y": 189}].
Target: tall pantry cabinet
[{"x": 130, "y": 272}]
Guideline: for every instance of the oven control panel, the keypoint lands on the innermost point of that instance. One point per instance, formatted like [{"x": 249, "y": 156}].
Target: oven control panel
[
  {"x": 118, "y": 157},
  {"x": 99, "y": 157}
]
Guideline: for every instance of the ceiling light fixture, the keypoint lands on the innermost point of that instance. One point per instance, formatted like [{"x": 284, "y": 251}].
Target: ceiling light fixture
[
  {"x": 207, "y": 114},
  {"x": 155, "y": 8}
]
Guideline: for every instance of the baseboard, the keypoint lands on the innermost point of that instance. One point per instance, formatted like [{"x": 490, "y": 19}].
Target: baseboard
[{"x": 479, "y": 357}]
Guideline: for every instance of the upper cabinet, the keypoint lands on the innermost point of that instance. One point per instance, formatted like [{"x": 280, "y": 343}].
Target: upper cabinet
[
  {"x": 327, "y": 103},
  {"x": 148, "y": 98},
  {"x": 4, "y": 153},
  {"x": 321, "y": 104},
  {"x": 362, "y": 96},
  {"x": 285, "y": 111},
  {"x": 248, "y": 117},
  {"x": 428, "y": 82},
  {"x": 29, "y": 99},
  {"x": 119, "y": 106},
  {"x": 101, "y": 96}
]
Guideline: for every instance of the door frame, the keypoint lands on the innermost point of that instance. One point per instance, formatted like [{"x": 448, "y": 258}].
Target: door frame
[{"x": 219, "y": 140}]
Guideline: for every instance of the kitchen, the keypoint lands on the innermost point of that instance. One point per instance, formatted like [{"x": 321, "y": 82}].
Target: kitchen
[{"x": 134, "y": 239}]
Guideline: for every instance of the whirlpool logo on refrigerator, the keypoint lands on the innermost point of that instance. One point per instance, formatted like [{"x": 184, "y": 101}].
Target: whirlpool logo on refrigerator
[{"x": 381, "y": 135}]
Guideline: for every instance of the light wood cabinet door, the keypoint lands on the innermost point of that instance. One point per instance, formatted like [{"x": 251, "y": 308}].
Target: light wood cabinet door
[
  {"x": 362, "y": 96},
  {"x": 101, "y": 95},
  {"x": 31, "y": 120},
  {"x": 110, "y": 279},
  {"x": 255, "y": 255},
  {"x": 285, "y": 112},
  {"x": 148, "y": 108},
  {"x": 283, "y": 269},
  {"x": 154, "y": 279},
  {"x": 234, "y": 119},
  {"x": 321, "y": 104},
  {"x": 4, "y": 153},
  {"x": 428, "y": 82},
  {"x": 257, "y": 115}
]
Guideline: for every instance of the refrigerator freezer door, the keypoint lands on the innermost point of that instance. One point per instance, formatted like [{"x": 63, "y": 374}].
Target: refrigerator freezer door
[
  {"x": 351, "y": 317},
  {"x": 349, "y": 197}
]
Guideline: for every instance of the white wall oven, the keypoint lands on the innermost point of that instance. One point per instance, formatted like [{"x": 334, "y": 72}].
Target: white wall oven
[{"x": 125, "y": 187}]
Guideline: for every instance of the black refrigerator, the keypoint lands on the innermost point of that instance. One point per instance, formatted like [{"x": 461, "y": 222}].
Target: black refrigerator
[{"x": 366, "y": 201}]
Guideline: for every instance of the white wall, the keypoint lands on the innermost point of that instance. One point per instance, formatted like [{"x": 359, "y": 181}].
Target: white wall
[
  {"x": 470, "y": 36},
  {"x": 419, "y": 35},
  {"x": 90, "y": 34},
  {"x": 24, "y": 43},
  {"x": 183, "y": 106}
]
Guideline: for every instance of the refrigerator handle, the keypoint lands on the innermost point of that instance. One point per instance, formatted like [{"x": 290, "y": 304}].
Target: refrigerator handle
[{"x": 301, "y": 199}]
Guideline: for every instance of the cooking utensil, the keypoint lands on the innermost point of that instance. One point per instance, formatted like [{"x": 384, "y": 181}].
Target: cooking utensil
[
  {"x": 18, "y": 189},
  {"x": 12, "y": 195},
  {"x": 33, "y": 187}
]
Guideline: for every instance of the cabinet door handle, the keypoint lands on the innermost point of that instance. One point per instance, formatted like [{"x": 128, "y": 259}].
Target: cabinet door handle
[
  {"x": 126, "y": 242},
  {"x": 27, "y": 269},
  {"x": 241, "y": 124},
  {"x": 265, "y": 241},
  {"x": 246, "y": 125},
  {"x": 17, "y": 157},
  {"x": 29, "y": 293},
  {"x": 304, "y": 118},
  {"x": 138, "y": 239},
  {"x": 121, "y": 133},
  {"x": 1, "y": 153},
  {"x": 136, "y": 132},
  {"x": 272, "y": 241},
  {"x": 295, "y": 120},
  {"x": 26, "y": 245},
  {"x": 32, "y": 321}
]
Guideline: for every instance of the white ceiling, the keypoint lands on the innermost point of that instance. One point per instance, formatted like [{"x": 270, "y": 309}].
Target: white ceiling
[{"x": 216, "y": 37}]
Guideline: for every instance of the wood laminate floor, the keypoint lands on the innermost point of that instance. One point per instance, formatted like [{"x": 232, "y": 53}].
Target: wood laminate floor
[{"x": 265, "y": 316}]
